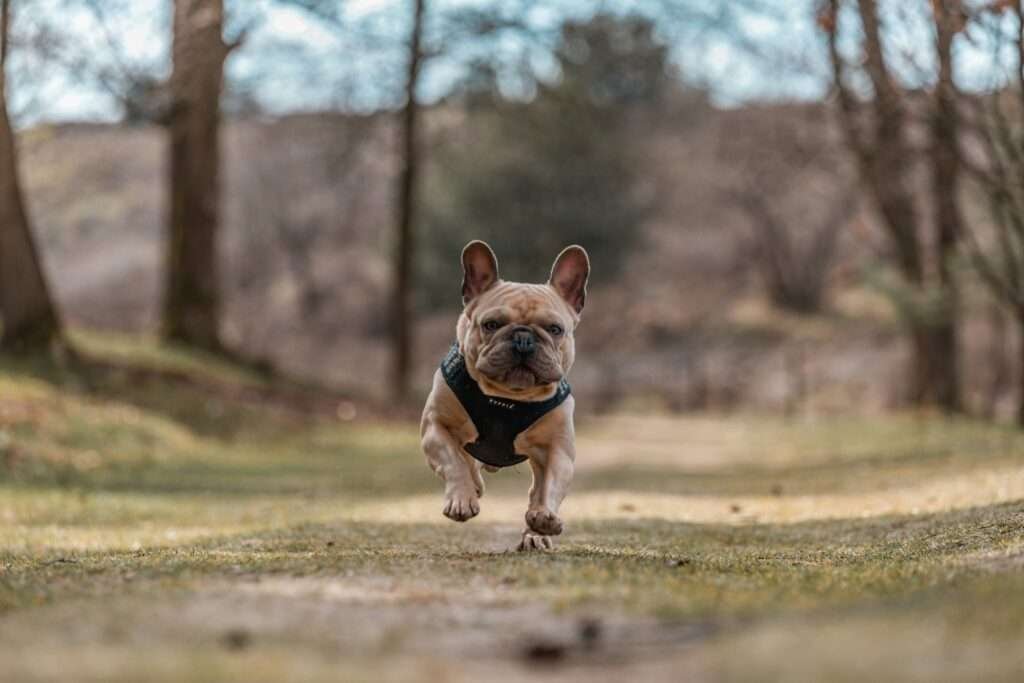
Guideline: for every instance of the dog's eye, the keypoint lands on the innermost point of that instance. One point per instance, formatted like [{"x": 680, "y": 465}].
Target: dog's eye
[
  {"x": 555, "y": 330},
  {"x": 492, "y": 325}
]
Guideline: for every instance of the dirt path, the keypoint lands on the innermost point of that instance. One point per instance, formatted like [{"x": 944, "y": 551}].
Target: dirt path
[
  {"x": 138, "y": 542},
  {"x": 321, "y": 624}
]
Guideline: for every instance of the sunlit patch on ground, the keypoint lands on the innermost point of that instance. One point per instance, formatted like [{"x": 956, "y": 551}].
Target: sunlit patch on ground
[{"x": 954, "y": 493}]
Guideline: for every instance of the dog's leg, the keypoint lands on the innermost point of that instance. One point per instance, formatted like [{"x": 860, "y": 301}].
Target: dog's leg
[
  {"x": 551, "y": 479},
  {"x": 463, "y": 486}
]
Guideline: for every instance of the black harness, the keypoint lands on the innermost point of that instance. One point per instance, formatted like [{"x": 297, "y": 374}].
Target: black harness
[{"x": 498, "y": 421}]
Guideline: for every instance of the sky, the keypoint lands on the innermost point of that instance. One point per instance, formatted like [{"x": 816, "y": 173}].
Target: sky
[{"x": 360, "y": 67}]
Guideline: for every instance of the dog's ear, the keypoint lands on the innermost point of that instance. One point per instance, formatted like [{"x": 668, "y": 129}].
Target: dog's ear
[
  {"x": 479, "y": 270},
  {"x": 569, "y": 276}
]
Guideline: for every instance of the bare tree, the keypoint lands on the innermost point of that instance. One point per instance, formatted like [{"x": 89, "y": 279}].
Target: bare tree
[
  {"x": 877, "y": 133},
  {"x": 134, "y": 83},
  {"x": 470, "y": 29},
  {"x": 287, "y": 226},
  {"x": 191, "y": 308},
  {"x": 402, "y": 304},
  {"x": 946, "y": 173},
  {"x": 26, "y": 308},
  {"x": 997, "y": 133},
  {"x": 797, "y": 196},
  {"x": 795, "y": 267}
]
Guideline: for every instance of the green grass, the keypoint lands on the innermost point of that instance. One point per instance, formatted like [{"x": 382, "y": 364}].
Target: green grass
[{"x": 154, "y": 491}]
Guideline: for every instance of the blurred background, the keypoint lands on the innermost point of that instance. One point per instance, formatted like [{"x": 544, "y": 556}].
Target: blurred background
[
  {"x": 791, "y": 206},
  {"x": 229, "y": 263}
]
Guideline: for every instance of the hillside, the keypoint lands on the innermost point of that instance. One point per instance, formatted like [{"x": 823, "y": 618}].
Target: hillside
[{"x": 307, "y": 278}]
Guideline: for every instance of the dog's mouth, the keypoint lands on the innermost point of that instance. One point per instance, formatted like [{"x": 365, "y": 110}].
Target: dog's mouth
[
  {"x": 521, "y": 377},
  {"x": 527, "y": 375},
  {"x": 519, "y": 374}
]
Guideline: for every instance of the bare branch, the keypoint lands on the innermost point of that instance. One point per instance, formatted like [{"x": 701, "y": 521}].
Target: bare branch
[
  {"x": 5, "y": 36},
  {"x": 828, "y": 19}
]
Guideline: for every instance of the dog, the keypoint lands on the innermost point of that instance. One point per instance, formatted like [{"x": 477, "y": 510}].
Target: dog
[{"x": 501, "y": 396}]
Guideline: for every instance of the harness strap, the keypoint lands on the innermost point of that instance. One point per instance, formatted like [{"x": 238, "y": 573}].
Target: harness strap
[{"x": 498, "y": 421}]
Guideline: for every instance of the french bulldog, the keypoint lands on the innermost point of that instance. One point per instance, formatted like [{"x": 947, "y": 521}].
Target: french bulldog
[{"x": 501, "y": 396}]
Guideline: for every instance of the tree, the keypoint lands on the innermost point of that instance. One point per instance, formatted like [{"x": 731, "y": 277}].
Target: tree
[
  {"x": 191, "y": 308},
  {"x": 562, "y": 167},
  {"x": 797, "y": 196},
  {"x": 998, "y": 131},
  {"x": 402, "y": 304},
  {"x": 26, "y": 308},
  {"x": 300, "y": 203},
  {"x": 877, "y": 132},
  {"x": 416, "y": 54}
]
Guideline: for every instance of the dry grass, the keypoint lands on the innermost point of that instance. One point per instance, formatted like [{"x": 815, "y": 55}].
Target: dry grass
[{"x": 140, "y": 540}]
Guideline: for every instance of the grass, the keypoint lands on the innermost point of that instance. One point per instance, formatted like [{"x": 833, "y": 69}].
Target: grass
[{"x": 157, "y": 522}]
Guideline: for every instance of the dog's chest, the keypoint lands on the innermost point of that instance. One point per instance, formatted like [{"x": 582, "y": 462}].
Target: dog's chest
[
  {"x": 526, "y": 443},
  {"x": 497, "y": 431}
]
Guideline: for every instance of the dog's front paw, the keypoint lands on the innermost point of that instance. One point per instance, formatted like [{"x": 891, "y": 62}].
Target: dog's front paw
[
  {"x": 532, "y": 541},
  {"x": 544, "y": 521},
  {"x": 461, "y": 506}
]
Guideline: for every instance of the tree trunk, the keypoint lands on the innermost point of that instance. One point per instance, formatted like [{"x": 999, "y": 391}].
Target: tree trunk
[
  {"x": 29, "y": 319},
  {"x": 403, "y": 312},
  {"x": 932, "y": 376},
  {"x": 1020, "y": 371},
  {"x": 1000, "y": 367},
  {"x": 884, "y": 155},
  {"x": 946, "y": 171},
  {"x": 191, "y": 310}
]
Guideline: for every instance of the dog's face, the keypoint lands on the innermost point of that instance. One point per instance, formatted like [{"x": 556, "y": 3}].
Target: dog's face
[{"x": 518, "y": 339}]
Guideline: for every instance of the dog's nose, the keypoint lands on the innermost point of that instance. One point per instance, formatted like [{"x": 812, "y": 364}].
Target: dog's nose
[{"x": 523, "y": 341}]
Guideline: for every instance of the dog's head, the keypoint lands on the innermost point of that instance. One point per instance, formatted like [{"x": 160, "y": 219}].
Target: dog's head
[{"x": 518, "y": 339}]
